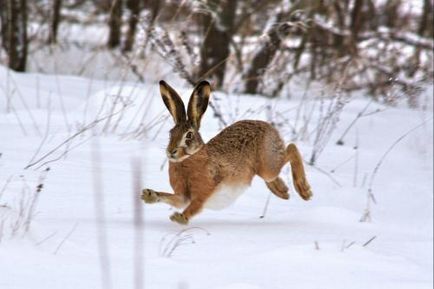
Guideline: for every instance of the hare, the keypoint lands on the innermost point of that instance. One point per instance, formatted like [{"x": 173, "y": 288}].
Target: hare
[{"x": 214, "y": 174}]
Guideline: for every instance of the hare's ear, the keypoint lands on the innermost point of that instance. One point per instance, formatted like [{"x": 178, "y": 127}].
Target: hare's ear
[
  {"x": 173, "y": 102},
  {"x": 198, "y": 103}
]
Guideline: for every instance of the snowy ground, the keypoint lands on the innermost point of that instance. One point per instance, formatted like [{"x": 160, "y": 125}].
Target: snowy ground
[{"x": 315, "y": 244}]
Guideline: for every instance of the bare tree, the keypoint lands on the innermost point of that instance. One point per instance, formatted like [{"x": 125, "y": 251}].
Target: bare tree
[
  {"x": 134, "y": 7},
  {"x": 426, "y": 26},
  {"x": 356, "y": 23},
  {"x": 14, "y": 32},
  {"x": 55, "y": 21},
  {"x": 115, "y": 23},
  {"x": 335, "y": 34},
  {"x": 264, "y": 56},
  {"x": 154, "y": 7},
  {"x": 218, "y": 27}
]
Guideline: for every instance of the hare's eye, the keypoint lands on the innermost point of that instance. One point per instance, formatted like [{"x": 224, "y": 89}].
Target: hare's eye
[{"x": 189, "y": 135}]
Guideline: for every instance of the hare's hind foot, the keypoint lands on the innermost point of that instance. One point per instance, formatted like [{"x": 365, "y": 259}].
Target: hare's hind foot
[
  {"x": 298, "y": 174},
  {"x": 303, "y": 188},
  {"x": 179, "y": 218},
  {"x": 279, "y": 188},
  {"x": 149, "y": 196}
]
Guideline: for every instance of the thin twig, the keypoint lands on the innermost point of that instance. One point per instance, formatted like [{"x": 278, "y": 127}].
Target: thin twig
[
  {"x": 26, "y": 107},
  {"x": 332, "y": 171},
  {"x": 370, "y": 196},
  {"x": 45, "y": 239},
  {"x": 66, "y": 237},
  {"x": 327, "y": 174},
  {"x": 70, "y": 138},
  {"x": 34, "y": 200},
  {"x": 47, "y": 130},
  {"x": 369, "y": 241},
  {"x": 356, "y": 159},
  {"x": 380, "y": 162},
  {"x": 9, "y": 179},
  {"x": 168, "y": 248},
  {"x": 359, "y": 115},
  {"x": 350, "y": 244},
  {"x": 266, "y": 206},
  {"x": 63, "y": 154}
]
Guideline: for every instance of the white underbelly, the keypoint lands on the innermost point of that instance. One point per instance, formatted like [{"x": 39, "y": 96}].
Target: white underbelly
[{"x": 224, "y": 196}]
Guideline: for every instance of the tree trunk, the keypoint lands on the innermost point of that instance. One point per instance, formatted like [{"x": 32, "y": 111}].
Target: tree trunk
[
  {"x": 265, "y": 55},
  {"x": 115, "y": 23},
  {"x": 218, "y": 34},
  {"x": 356, "y": 24},
  {"x": 52, "y": 38},
  {"x": 14, "y": 32},
  {"x": 426, "y": 22},
  {"x": 392, "y": 13},
  {"x": 4, "y": 22},
  {"x": 154, "y": 7},
  {"x": 134, "y": 7}
]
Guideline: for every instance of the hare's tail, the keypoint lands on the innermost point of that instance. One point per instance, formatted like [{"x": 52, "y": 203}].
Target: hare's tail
[{"x": 298, "y": 174}]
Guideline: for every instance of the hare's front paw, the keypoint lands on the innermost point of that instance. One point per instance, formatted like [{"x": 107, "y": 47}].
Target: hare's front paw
[
  {"x": 149, "y": 196},
  {"x": 179, "y": 218}
]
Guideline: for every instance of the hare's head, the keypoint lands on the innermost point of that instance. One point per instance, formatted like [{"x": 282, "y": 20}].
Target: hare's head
[{"x": 185, "y": 139}]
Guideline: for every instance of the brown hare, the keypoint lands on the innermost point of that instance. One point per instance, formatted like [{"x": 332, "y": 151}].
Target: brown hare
[{"x": 214, "y": 174}]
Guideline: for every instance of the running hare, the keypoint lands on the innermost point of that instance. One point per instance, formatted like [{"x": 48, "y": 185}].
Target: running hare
[{"x": 214, "y": 174}]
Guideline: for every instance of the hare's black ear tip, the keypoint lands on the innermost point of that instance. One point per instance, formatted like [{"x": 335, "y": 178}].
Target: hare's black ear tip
[
  {"x": 204, "y": 83},
  {"x": 164, "y": 88}
]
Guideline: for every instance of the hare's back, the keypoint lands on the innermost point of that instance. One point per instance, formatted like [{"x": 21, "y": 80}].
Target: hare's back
[{"x": 244, "y": 142}]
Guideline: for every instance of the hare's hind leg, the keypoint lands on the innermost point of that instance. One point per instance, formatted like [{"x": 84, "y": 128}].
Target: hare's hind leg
[
  {"x": 271, "y": 161},
  {"x": 279, "y": 188},
  {"x": 298, "y": 175},
  {"x": 175, "y": 200},
  {"x": 270, "y": 174}
]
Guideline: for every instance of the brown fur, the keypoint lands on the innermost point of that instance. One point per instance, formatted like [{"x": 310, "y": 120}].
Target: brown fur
[{"x": 233, "y": 157}]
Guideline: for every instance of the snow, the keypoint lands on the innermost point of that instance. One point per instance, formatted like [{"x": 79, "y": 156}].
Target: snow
[{"x": 314, "y": 244}]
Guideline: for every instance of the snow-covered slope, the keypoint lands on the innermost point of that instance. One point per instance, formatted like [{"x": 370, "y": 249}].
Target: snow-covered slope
[{"x": 315, "y": 244}]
